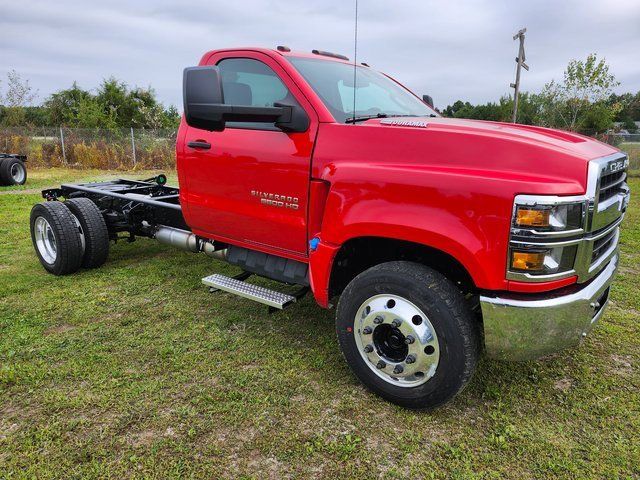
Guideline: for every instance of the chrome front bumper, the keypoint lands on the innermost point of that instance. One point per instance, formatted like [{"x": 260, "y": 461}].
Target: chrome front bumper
[{"x": 517, "y": 328}]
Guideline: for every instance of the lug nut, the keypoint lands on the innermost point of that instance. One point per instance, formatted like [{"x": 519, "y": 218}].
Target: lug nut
[
  {"x": 368, "y": 349},
  {"x": 398, "y": 369},
  {"x": 366, "y": 330},
  {"x": 410, "y": 359},
  {"x": 380, "y": 365},
  {"x": 409, "y": 339},
  {"x": 397, "y": 322},
  {"x": 378, "y": 320}
]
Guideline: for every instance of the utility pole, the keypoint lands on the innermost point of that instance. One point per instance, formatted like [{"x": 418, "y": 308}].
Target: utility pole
[{"x": 520, "y": 60}]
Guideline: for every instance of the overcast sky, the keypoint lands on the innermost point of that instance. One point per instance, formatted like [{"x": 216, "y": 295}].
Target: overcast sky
[{"x": 448, "y": 49}]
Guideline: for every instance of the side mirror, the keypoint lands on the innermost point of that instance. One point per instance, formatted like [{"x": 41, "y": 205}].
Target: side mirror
[
  {"x": 204, "y": 105},
  {"x": 201, "y": 94},
  {"x": 428, "y": 100}
]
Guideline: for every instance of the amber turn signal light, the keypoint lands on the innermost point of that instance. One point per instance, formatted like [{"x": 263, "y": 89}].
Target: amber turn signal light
[
  {"x": 529, "y": 217},
  {"x": 528, "y": 261}
]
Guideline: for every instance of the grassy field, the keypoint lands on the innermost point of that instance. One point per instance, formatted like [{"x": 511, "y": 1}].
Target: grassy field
[
  {"x": 37, "y": 179},
  {"x": 135, "y": 370},
  {"x": 633, "y": 150}
]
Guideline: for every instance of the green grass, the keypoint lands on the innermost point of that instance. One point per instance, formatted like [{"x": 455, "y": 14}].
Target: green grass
[
  {"x": 633, "y": 150},
  {"x": 135, "y": 370},
  {"x": 38, "y": 179}
]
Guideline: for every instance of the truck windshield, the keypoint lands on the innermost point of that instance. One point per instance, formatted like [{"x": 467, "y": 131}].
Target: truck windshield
[{"x": 376, "y": 94}]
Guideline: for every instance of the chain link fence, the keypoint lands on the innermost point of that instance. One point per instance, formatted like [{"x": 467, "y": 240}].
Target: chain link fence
[
  {"x": 628, "y": 138},
  {"x": 123, "y": 149}
]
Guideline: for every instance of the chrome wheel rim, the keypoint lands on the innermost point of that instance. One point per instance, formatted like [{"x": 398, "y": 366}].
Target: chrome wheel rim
[
  {"x": 396, "y": 340},
  {"x": 45, "y": 240},
  {"x": 17, "y": 173}
]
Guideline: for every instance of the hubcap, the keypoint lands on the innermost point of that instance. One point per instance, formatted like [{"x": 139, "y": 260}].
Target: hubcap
[
  {"x": 17, "y": 173},
  {"x": 45, "y": 240},
  {"x": 396, "y": 340}
]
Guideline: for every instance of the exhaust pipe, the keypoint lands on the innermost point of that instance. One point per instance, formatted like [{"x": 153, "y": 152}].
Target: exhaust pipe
[
  {"x": 178, "y": 238},
  {"x": 210, "y": 249},
  {"x": 186, "y": 240}
]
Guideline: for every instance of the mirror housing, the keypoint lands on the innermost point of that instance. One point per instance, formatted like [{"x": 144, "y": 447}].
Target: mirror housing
[
  {"x": 204, "y": 105},
  {"x": 201, "y": 92},
  {"x": 428, "y": 100}
]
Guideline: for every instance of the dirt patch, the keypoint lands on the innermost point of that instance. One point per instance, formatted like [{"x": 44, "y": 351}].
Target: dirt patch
[
  {"x": 622, "y": 364},
  {"x": 59, "y": 329},
  {"x": 144, "y": 438},
  {"x": 270, "y": 467},
  {"x": 7, "y": 429},
  {"x": 27, "y": 191},
  {"x": 563, "y": 384},
  {"x": 625, "y": 270}
]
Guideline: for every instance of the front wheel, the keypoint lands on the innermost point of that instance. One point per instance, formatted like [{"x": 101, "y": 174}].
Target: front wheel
[{"x": 408, "y": 334}]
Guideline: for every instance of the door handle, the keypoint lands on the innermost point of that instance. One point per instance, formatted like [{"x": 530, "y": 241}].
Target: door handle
[{"x": 199, "y": 144}]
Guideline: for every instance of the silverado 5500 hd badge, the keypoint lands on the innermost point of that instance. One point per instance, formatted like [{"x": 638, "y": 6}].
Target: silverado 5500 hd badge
[{"x": 276, "y": 200}]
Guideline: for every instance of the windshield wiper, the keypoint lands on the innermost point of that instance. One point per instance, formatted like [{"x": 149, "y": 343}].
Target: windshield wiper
[{"x": 377, "y": 115}]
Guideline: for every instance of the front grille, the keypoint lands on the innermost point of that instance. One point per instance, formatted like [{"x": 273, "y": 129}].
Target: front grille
[
  {"x": 601, "y": 245},
  {"x": 611, "y": 184}
]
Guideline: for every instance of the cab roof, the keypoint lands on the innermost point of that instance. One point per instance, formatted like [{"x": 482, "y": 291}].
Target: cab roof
[{"x": 285, "y": 52}]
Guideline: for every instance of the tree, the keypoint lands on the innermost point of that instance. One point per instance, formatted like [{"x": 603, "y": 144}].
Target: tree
[
  {"x": 528, "y": 109},
  {"x": 92, "y": 115},
  {"x": 171, "y": 118},
  {"x": 64, "y": 105},
  {"x": 18, "y": 96},
  {"x": 629, "y": 125},
  {"x": 579, "y": 102},
  {"x": 113, "y": 106}
]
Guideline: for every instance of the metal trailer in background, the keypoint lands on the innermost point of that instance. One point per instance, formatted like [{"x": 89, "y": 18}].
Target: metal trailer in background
[{"x": 13, "y": 170}]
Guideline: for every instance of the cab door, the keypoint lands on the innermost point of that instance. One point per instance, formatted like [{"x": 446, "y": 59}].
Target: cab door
[{"x": 249, "y": 184}]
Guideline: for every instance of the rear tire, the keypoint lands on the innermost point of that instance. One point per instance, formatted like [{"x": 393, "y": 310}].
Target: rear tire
[
  {"x": 94, "y": 228},
  {"x": 408, "y": 335},
  {"x": 13, "y": 171},
  {"x": 56, "y": 238}
]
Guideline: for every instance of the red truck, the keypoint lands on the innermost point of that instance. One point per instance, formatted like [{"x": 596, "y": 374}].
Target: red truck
[{"x": 436, "y": 238}]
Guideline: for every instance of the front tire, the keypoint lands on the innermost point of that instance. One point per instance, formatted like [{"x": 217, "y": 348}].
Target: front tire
[
  {"x": 56, "y": 238},
  {"x": 408, "y": 335}
]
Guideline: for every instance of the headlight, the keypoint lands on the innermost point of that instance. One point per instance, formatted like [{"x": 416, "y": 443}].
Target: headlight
[
  {"x": 543, "y": 261},
  {"x": 542, "y": 243},
  {"x": 567, "y": 216}
]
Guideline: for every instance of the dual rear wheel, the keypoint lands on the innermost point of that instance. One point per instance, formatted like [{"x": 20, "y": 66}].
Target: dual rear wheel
[{"x": 69, "y": 235}]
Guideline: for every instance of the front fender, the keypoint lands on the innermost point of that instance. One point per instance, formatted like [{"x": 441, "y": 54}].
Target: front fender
[{"x": 465, "y": 217}]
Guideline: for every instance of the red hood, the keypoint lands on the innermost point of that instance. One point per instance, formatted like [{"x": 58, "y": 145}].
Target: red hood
[{"x": 562, "y": 141}]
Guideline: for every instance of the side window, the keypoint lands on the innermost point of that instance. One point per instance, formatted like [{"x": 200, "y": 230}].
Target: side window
[{"x": 252, "y": 83}]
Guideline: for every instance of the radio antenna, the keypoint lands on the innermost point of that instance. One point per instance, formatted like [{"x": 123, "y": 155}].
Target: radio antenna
[{"x": 355, "y": 62}]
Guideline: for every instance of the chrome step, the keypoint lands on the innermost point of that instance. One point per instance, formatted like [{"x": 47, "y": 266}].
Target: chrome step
[{"x": 247, "y": 290}]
